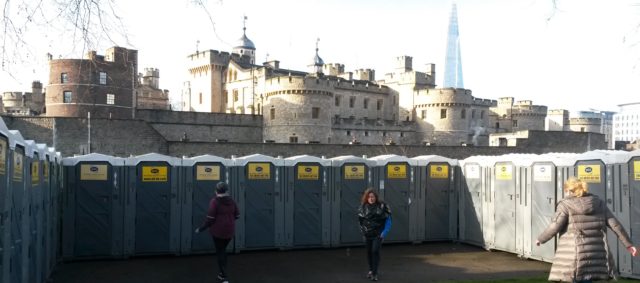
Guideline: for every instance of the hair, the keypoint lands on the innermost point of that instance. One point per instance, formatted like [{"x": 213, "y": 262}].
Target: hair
[
  {"x": 222, "y": 188},
  {"x": 576, "y": 187},
  {"x": 366, "y": 193}
]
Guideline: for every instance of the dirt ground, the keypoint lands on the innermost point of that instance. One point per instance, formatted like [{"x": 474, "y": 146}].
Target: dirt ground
[{"x": 432, "y": 262}]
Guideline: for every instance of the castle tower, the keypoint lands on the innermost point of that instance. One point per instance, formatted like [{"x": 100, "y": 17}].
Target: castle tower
[
  {"x": 453, "y": 62},
  {"x": 316, "y": 66},
  {"x": 245, "y": 46}
]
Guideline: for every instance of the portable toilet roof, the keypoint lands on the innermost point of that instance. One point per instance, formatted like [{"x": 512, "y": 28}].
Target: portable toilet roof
[
  {"x": 72, "y": 161},
  {"x": 387, "y": 158},
  {"x": 30, "y": 148},
  {"x": 17, "y": 139},
  {"x": 519, "y": 159},
  {"x": 306, "y": 158},
  {"x": 423, "y": 160},
  {"x": 483, "y": 160},
  {"x": 607, "y": 156},
  {"x": 132, "y": 161},
  {"x": 242, "y": 161},
  {"x": 42, "y": 149},
  {"x": 206, "y": 158},
  {"x": 341, "y": 160}
]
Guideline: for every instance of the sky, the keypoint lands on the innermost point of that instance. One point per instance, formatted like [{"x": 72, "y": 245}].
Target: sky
[{"x": 584, "y": 54}]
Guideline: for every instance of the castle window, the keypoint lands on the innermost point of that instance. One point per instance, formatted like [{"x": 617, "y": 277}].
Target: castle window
[
  {"x": 66, "y": 96},
  {"x": 497, "y": 125},
  {"x": 482, "y": 114},
  {"x": 463, "y": 114},
  {"x": 348, "y": 133},
  {"x": 401, "y": 134},
  {"x": 64, "y": 78},
  {"x": 366, "y": 133},
  {"x": 235, "y": 75},
  {"x": 235, "y": 95},
  {"x": 515, "y": 123},
  {"x": 423, "y": 114},
  {"x": 337, "y": 100},
  {"x": 379, "y": 104},
  {"x": 272, "y": 113},
  {"x": 582, "y": 129},
  {"x": 366, "y": 103},
  {"x": 200, "y": 97},
  {"x": 384, "y": 134},
  {"x": 443, "y": 113},
  {"x": 352, "y": 101},
  {"x": 315, "y": 112},
  {"x": 111, "y": 99},
  {"x": 103, "y": 78},
  {"x": 293, "y": 139},
  {"x": 473, "y": 113}
]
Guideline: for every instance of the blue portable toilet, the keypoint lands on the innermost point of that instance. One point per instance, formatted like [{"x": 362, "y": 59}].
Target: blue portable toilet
[
  {"x": 260, "y": 198},
  {"x": 437, "y": 184},
  {"x": 351, "y": 177},
  {"x": 307, "y": 202},
  {"x": 93, "y": 214},
  {"x": 20, "y": 231},
  {"x": 199, "y": 176},
  {"x": 6, "y": 155},
  {"x": 394, "y": 178},
  {"x": 152, "y": 211}
]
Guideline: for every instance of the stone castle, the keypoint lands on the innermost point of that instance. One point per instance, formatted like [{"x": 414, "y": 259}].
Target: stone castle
[{"x": 326, "y": 104}]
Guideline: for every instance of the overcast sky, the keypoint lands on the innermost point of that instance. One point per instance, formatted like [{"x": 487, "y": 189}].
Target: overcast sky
[{"x": 587, "y": 55}]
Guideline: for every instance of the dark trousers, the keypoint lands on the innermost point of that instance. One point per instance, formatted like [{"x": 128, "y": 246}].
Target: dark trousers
[
  {"x": 221, "y": 253},
  {"x": 373, "y": 253}
]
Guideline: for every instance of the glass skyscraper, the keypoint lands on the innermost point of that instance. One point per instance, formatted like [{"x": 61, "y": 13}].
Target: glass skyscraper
[{"x": 453, "y": 62}]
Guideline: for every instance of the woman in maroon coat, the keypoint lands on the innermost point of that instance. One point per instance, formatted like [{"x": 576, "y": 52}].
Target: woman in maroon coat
[{"x": 221, "y": 221}]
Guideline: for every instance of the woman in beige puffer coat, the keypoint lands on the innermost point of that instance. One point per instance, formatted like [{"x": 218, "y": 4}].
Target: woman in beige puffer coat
[{"x": 582, "y": 219}]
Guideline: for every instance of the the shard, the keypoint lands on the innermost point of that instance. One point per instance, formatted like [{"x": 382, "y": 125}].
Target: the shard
[{"x": 453, "y": 62}]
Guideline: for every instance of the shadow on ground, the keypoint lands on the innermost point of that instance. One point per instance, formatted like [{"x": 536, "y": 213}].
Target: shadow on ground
[{"x": 400, "y": 263}]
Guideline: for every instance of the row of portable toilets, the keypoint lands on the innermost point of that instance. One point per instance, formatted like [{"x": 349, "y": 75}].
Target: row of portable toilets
[
  {"x": 30, "y": 175},
  {"x": 151, "y": 204},
  {"x": 97, "y": 206}
]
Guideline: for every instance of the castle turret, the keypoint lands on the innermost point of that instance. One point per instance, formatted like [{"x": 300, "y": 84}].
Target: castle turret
[
  {"x": 244, "y": 45},
  {"x": 316, "y": 65}
]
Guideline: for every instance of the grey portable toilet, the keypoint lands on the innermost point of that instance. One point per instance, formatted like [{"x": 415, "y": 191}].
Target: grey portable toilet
[
  {"x": 307, "y": 202},
  {"x": 37, "y": 213},
  {"x": 523, "y": 167},
  {"x": 32, "y": 194},
  {"x": 5, "y": 201},
  {"x": 477, "y": 201},
  {"x": 152, "y": 214},
  {"x": 199, "y": 176},
  {"x": 510, "y": 179},
  {"x": 541, "y": 201},
  {"x": 93, "y": 214},
  {"x": 436, "y": 198},
  {"x": 394, "y": 178},
  {"x": 351, "y": 177},
  {"x": 21, "y": 185},
  {"x": 634, "y": 209},
  {"x": 260, "y": 200}
]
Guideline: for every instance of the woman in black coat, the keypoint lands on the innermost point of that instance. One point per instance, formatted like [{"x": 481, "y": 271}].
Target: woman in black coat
[{"x": 375, "y": 222}]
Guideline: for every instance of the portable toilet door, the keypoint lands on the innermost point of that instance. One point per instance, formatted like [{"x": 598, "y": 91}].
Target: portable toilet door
[
  {"x": 504, "y": 182},
  {"x": 152, "y": 219},
  {"x": 541, "y": 210},
  {"x": 94, "y": 212},
  {"x": 307, "y": 205},
  {"x": 351, "y": 177},
  {"x": 18, "y": 262},
  {"x": 36, "y": 220},
  {"x": 260, "y": 198},
  {"x": 471, "y": 202},
  {"x": 46, "y": 212},
  {"x": 634, "y": 209},
  {"x": 395, "y": 179},
  {"x": 436, "y": 198},
  {"x": 5, "y": 203},
  {"x": 200, "y": 175}
]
